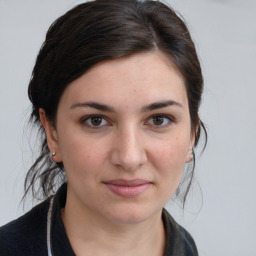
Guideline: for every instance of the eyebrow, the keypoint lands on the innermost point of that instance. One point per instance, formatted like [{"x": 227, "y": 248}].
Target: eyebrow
[
  {"x": 106, "y": 108},
  {"x": 161, "y": 104},
  {"x": 96, "y": 105}
]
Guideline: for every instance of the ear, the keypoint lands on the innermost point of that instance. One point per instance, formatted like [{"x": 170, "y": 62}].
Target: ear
[
  {"x": 189, "y": 156},
  {"x": 51, "y": 135}
]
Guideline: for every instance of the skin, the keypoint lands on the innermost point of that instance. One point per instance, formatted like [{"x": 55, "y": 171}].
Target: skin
[{"x": 134, "y": 139}]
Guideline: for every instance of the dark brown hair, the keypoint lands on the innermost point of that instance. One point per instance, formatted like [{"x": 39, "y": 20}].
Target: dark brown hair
[{"x": 103, "y": 30}]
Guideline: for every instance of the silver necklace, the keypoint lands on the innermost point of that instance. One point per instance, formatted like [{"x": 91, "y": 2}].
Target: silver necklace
[{"x": 49, "y": 218}]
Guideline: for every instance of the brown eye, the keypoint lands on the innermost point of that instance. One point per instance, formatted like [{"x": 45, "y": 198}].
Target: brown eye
[
  {"x": 158, "y": 120},
  {"x": 95, "y": 121}
]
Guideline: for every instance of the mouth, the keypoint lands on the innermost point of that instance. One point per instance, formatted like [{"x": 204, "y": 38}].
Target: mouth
[{"x": 128, "y": 188}]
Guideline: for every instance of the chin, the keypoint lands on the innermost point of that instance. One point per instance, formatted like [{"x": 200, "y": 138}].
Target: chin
[{"x": 131, "y": 214}]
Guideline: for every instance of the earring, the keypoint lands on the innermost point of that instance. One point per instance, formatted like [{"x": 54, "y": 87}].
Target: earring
[{"x": 53, "y": 153}]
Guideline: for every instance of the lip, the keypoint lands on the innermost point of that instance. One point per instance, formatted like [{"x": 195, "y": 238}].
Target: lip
[{"x": 128, "y": 188}]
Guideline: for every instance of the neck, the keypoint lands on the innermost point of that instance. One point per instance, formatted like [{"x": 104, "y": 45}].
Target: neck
[{"x": 86, "y": 231}]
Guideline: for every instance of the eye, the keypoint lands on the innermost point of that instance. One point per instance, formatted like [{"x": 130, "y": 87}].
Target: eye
[
  {"x": 94, "y": 121},
  {"x": 160, "y": 120}
]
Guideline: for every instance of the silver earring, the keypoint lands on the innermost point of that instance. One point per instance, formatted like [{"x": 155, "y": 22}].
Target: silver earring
[{"x": 53, "y": 154}]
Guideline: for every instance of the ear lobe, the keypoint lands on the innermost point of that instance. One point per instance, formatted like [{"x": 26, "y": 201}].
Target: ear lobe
[
  {"x": 51, "y": 135},
  {"x": 189, "y": 156}
]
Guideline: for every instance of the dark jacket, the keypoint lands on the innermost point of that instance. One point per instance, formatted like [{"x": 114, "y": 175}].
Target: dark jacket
[{"x": 26, "y": 236}]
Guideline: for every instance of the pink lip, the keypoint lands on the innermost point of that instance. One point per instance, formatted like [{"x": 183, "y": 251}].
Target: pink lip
[{"x": 127, "y": 188}]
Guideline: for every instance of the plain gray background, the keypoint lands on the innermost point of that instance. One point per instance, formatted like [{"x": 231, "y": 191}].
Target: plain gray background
[{"x": 225, "y": 35}]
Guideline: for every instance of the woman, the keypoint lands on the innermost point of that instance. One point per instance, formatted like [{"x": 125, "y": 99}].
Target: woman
[{"x": 115, "y": 91}]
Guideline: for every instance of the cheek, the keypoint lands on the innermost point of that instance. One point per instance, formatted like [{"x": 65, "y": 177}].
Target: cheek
[
  {"x": 172, "y": 152},
  {"x": 169, "y": 159},
  {"x": 81, "y": 156}
]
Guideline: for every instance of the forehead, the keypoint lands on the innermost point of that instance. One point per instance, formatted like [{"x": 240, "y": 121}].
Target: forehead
[{"x": 136, "y": 79}]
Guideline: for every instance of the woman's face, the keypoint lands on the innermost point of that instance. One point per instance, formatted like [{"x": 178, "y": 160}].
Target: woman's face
[{"x": 123, "y": 133}]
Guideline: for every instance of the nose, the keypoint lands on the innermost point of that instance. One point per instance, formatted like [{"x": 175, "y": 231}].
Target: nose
[{"x": 128, "y": 151}]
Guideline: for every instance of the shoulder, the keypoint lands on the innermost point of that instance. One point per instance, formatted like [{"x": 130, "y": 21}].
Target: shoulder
[
  {"x": 27, "y": 234},
  {"x": 178, "y": 240}
]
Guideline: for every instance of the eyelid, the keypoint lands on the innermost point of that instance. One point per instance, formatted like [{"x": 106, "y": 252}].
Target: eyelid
[
  {"x": 85, "y": 118},
  {"x": 170, "y": 118}
]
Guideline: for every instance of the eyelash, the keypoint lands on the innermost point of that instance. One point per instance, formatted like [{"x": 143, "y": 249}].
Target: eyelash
[
  {"x": 85, "y": 119},
  {"x": 167, "y": 118}
]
